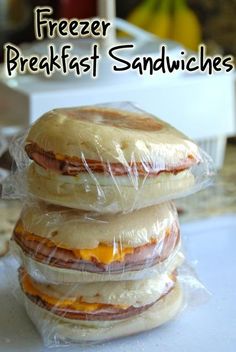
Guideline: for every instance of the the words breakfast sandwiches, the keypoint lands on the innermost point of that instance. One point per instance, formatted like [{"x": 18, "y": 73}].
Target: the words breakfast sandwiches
[
  {"x": 108, "y": 160},
  {"x": 98, "y": 240}
]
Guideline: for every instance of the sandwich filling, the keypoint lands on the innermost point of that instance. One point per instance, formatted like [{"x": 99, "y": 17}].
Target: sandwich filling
[
  {"x": 103, "y": 258},
  {"x": 72, "y": 166},
  {"x": 78, "y": 308}
]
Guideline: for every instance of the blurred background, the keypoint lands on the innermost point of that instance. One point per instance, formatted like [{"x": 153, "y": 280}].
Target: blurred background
[{"x": 203, "y": 107}]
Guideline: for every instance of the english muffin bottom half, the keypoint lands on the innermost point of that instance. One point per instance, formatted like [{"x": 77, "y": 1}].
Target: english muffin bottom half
[
  {"x": 66, "y": 245},
  {"x": 93, "y": 312},
  {"x": 108, "y": 160}
]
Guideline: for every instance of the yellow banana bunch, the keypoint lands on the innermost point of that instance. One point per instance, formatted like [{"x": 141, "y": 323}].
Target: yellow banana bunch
[
  {"x": 186, "y": 28},
  {"x": 161, "y": 20},
  {"x": 169, "y": 19},
  {"x": 140, "y": 16}
]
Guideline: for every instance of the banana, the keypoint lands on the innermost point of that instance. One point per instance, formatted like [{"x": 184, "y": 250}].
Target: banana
[
  {"x": 140, "y": 16},
  {"x": 186, "y": 28},
  {"x": 160, "y": 23}
]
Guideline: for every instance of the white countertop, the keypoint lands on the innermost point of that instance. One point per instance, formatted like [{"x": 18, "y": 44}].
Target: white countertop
[{"x": 209, "y": 327}]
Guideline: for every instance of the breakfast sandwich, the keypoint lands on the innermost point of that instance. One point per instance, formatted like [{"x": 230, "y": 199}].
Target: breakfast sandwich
[
  {"x": 93, "y": 312},
  {"x": 108, "y": 160},
  {"x": 67, "y": 245}
]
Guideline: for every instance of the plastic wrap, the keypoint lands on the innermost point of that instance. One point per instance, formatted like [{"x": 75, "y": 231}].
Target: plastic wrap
[
  {"x": 98, "y": 240},
  {"x": 110, "y": 158},
  {"x": 96, "y": 312},
  {"x": 62, "y": 245}
]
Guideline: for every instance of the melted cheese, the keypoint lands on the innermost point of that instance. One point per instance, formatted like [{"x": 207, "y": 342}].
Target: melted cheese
[
  {"x": 103, "y": 253},
  {"x": 68, "y": 303}
]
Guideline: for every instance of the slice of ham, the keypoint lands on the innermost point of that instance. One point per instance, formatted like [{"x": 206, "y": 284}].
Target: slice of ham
[
  {"x": 143, "y": 256},
  {"x": 72, "y": 166}
]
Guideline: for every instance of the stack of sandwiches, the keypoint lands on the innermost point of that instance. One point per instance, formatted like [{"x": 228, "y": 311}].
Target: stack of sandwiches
[{"x": 99, "y": 238}]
